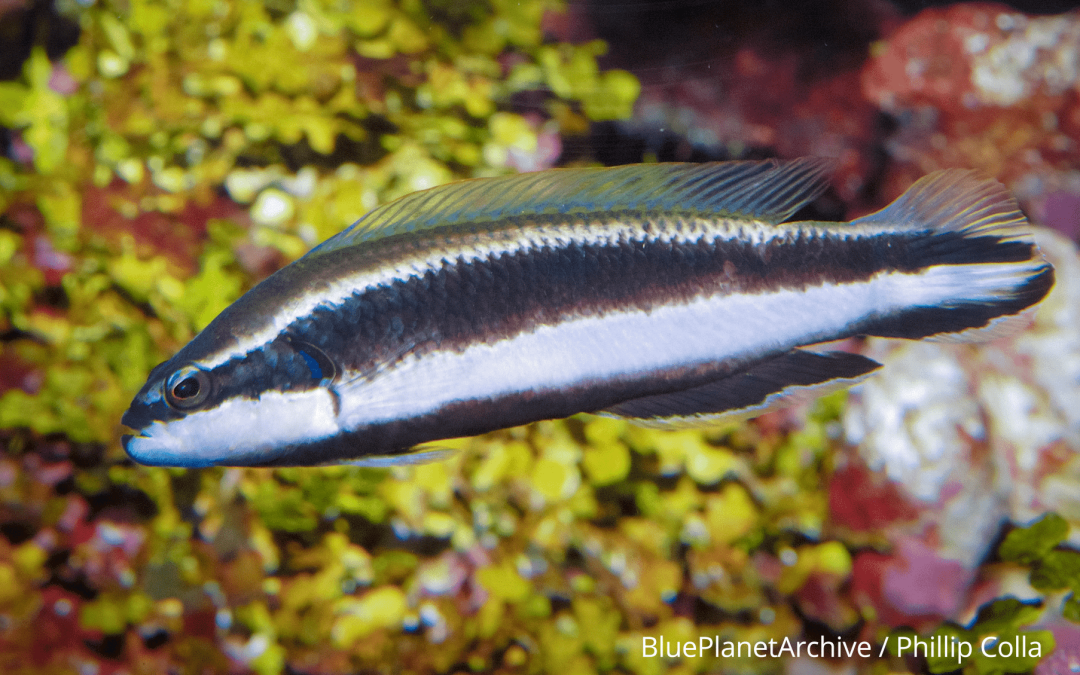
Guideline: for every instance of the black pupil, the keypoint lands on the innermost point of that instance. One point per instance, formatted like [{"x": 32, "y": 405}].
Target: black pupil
[{"x": 186, "y": 388}]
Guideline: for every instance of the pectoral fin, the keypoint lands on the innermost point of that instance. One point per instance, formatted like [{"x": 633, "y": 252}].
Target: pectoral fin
[
  {"x": 424, "y": 455},
  {"x": 777, "y": 383}
]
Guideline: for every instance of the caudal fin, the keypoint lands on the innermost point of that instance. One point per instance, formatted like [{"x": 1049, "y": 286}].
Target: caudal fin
[{"x": 978, "y": 270}]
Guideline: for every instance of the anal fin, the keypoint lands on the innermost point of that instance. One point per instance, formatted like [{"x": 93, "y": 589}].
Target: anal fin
[{"x": 792, "y": 378}]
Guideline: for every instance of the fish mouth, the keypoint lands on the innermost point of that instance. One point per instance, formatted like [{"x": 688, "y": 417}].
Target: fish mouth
[
  {"x": 126, "y": 440},
  {"x": 131, "y": 444},
  {"x": 155, "y": 446},
  {"x": 147, "y": 456}
]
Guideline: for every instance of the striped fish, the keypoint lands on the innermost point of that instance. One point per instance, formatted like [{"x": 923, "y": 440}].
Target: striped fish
[{"x": 667, "y": 293}]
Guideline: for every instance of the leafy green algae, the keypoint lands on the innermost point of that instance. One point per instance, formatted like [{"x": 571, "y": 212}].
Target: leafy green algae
[{"x": 1030, "y": 544}]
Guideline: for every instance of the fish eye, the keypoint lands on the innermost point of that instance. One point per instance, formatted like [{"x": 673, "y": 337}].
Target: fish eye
[{"x": 187, "y": 388}]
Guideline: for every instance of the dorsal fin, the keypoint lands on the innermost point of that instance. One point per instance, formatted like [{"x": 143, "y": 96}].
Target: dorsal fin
[
  {"x": 768, "y": 191},
  {"x": 953, "y": 200}
]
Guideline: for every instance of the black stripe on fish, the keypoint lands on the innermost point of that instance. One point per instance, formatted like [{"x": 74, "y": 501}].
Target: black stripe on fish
[
  {"x": 804, "y": 253},
  {"x": 492, "y": 299},
  {"x": 489, "y": 209}
]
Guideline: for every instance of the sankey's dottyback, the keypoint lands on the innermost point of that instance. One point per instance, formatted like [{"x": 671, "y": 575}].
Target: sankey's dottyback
[{"x": 670, "y": 294}]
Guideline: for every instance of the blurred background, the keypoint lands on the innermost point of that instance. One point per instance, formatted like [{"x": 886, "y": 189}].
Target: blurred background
[{"x": 159, "y": 157}]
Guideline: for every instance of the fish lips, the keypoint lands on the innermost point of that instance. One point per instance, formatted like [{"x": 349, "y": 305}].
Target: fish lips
[
  {"x": 126, "y": 441},
  {"x": 131, "y": 446},
  {"x": 136, "y": 420},
  {"x": 160, "y": 449},
  {"x": 142, "y": 418}
]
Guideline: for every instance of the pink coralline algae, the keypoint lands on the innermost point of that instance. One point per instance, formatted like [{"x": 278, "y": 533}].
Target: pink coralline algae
[
  {"x": 1061, "y": 210},
  {"x": 913, "y": 585},
  {"x": 982, "y": 86},
  {"x": 1065, "y": 659},
  {"x": 971, "y": 56}
]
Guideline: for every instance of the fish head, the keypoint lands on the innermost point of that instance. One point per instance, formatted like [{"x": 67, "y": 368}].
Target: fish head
[
  {"x": 174, "y": 390},
  {"x": 251, "y": 409}
]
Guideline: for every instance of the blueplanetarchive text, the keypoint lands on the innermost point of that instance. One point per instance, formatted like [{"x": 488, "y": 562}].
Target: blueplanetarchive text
[
  {"x": 938, "y": 646},
  {"x": 714, "y": 646}
]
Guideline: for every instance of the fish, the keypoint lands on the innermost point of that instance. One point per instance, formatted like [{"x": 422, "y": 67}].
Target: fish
[{"x": 667, "y": 294}]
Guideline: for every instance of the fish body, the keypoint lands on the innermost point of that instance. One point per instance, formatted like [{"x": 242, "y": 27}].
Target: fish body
[{"x": 669, "y": 293}]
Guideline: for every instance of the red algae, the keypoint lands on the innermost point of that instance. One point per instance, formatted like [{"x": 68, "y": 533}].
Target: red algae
[{"x": 121, "y": 209}]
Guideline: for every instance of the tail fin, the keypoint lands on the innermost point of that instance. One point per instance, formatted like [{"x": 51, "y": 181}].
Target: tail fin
[{"x": 979, "y": 271}]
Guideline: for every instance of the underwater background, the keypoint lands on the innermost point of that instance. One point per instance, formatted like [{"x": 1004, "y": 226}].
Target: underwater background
[{"x": 162, "y": 156}]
